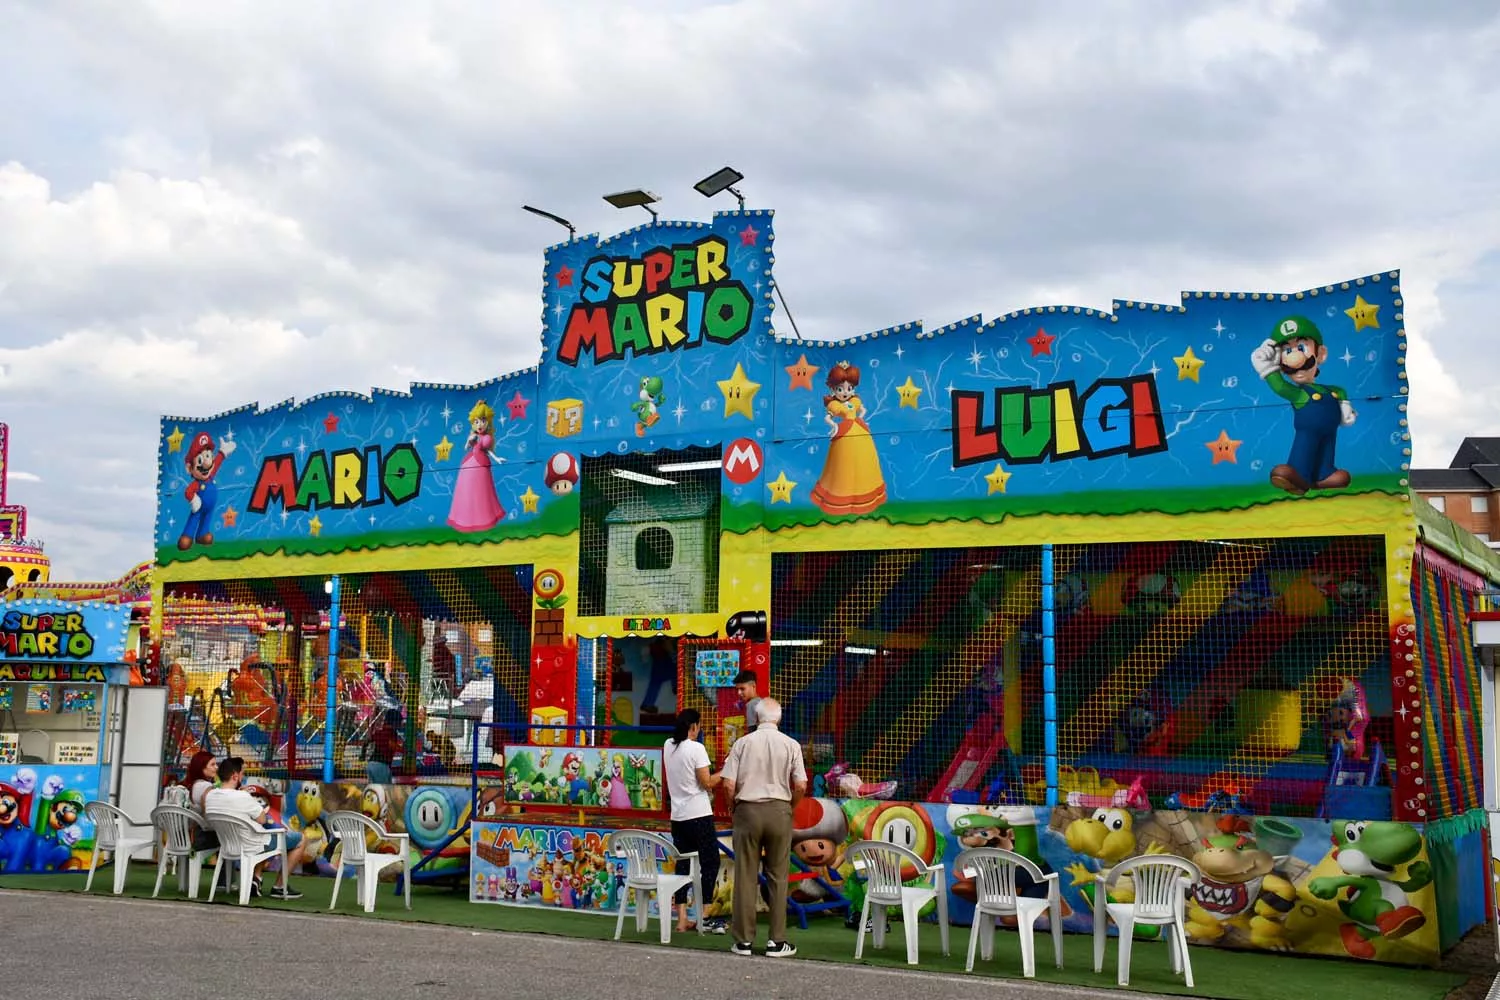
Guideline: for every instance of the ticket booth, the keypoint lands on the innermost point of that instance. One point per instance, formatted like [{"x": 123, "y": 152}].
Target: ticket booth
[{"x": 57, "y": 659}]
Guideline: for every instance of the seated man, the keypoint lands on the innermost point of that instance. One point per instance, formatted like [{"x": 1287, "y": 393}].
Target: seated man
[{"x": 229, "y": 799}]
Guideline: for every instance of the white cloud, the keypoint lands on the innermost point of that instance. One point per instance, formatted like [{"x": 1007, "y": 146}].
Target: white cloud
[{"x": 210, "y": 205}]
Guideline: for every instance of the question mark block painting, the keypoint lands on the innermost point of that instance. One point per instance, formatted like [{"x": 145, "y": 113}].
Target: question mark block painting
[
  {"x": 564, "y": 417},
  {"x": 548, "y": 716}
]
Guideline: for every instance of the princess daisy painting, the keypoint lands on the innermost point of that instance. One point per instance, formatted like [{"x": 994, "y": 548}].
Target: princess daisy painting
[{"x": 851, "y": 482}]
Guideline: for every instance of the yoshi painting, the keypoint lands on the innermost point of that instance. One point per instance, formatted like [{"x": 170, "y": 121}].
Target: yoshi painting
[{"x": 1371, "y": 894}]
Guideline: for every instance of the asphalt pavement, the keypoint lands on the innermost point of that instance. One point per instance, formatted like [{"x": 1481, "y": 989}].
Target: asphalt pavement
[{"x": 56, "y": 944}]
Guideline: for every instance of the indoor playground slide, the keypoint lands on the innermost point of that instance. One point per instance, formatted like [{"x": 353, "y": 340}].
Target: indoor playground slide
[{"x": 984, "y": 740}]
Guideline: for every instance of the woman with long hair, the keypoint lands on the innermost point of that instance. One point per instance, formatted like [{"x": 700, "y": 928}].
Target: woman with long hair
[
  {"x": 202, "y": 774},
  {"x": 689, "y": 782}
]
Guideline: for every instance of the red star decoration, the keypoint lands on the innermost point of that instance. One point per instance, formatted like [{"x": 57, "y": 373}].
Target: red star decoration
[
  {"x": 518, "y": 404},
  {"x": 1041, "y": 342},
  {"x": 564, "y": 276},
  {"x": 330, "y": 424},
  {"x": 230, "y": 516},
  {"x": 748, "y": 235}
]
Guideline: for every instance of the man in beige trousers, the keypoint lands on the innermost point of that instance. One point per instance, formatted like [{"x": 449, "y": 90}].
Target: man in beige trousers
[{"x": 765, "y": 777}]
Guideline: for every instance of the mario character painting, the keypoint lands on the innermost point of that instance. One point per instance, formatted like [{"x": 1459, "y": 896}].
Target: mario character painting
[
  {"x": 578, "y": 787},
  {"x": 1289, "y": 361},
  {"x": 15, "y": 838},
  {"x": 1370, "y": 854},
  {"x": 203, "y": 461},
  {"x": 56, "y": 830}
]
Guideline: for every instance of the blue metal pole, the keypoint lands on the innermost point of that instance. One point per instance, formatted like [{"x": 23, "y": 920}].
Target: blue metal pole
[
  {"x": 1049, "y": 672},
  {"x": 331, "y": 707}
]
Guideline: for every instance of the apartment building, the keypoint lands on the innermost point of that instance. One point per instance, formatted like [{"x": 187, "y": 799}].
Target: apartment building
[{"x": 1468, "y": 491}]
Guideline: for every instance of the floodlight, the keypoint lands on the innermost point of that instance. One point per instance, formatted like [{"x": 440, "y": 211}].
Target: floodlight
[
  {"x": 555, "y": 218},
  {"x": 641, "y": 477},
  {"x": 636, "y": 198},
  {"x": 719, "y": 181},
  {"x": 706, "y": 464}
]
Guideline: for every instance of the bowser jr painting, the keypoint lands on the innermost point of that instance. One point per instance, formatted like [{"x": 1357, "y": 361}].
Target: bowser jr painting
[
  {"x": 42, "y": 824},
  {"x": 1352, "y": 889}
]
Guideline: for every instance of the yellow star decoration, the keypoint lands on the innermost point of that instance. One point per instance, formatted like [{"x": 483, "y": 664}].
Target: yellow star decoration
[
  {"x": 315, "y": 526},
  {"x": 1363, "y": 314},
  {"x": 997, "y": 480},
  {"x": 444, "y": 448},
  {"x": 528, "y": 501},
  {"x": 781, "y": 489},
  {"x": 174, "y": 440},
  {"x": 739, "y": 393},
  {"x": 1188, "y": 365},
  {"x": 909, "y": 393}
]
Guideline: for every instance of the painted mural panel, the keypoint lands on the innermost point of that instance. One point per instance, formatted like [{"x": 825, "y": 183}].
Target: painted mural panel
[
  {"x": 660, "y": 339},
  {"x": 551, "y": 866},
  {"x": 43, "y": 827},
  {"x": 1355, "y": 890},
  {"x": 428, "y": 814},
  {"x": 584, "y": 776}
]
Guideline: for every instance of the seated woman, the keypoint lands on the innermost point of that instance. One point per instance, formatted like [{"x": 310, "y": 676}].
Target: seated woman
[{"x": 202, "y": 774}]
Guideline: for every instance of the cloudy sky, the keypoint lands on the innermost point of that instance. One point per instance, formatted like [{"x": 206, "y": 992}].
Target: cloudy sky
[{"x": 207, "y": 204}]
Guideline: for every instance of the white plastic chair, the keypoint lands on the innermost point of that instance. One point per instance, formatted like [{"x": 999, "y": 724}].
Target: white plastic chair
[
  {"x": 1161, "y": 886},
  {"x": 882, "y": 864},
  {"x": 178, "y": 827},
  {"x": 115, "y": 831},
  {"x": 244, "y": 842},
  {"x": 351, "y": 830},
  {"x": 176, "y": 795},
  {"x": 645, "y": 854},
  {"x": 994, "y": 874}
]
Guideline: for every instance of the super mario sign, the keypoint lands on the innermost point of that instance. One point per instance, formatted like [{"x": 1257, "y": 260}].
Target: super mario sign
[{"x": 665, "y": 338}]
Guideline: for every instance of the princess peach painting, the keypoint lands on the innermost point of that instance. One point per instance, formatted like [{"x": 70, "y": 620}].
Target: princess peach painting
[
  {"x": 476, "y": 507},
  {"x": 851, "y": 482}
]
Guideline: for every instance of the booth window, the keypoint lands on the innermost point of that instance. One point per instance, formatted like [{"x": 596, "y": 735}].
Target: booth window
[{"x": 653, "y": 549}]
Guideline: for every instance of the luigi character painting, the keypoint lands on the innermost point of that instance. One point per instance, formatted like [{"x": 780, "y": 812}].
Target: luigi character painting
[{"x": 1290, "y": 361}]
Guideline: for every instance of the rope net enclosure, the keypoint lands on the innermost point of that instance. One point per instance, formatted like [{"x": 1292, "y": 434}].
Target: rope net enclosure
[
  {"x": 1449, "y": 729},
  {"x": 908, "y": 665},
  {"x": 421, "y": 657},
  {"x": 649, "y": 533},
  {"x": 1221, "y": 666},
  {"x": 1195, "y": 666}
]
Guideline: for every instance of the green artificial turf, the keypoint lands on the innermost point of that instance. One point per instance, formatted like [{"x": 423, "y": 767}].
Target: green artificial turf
[
  {"x": 558, "y": 517},
  {"x": 738, "y": 518},
  {"x": 1232, "y": 975}
]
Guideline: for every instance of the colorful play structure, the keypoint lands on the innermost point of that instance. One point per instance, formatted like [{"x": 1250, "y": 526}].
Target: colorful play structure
[{"x": 1079, "y": 583}]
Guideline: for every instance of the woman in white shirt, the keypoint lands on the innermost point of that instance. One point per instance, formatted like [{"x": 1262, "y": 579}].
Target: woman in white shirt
[
  {"x": 689, "y": 783},
  {"x": 202, "y": 775}
]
